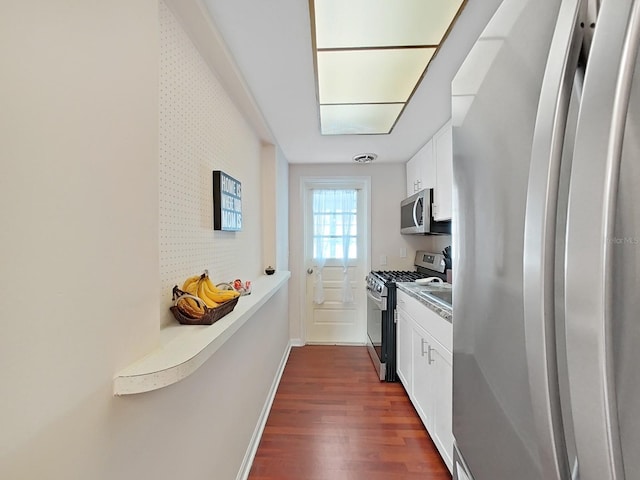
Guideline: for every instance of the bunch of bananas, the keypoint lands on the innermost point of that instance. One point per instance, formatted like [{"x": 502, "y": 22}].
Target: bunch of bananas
[{"x": 201, "y": 293}]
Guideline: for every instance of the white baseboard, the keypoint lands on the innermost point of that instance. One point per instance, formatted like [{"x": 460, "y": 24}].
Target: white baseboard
[
  {"x": 245, "y": 468},
  {"x": 297, "y": 342}
]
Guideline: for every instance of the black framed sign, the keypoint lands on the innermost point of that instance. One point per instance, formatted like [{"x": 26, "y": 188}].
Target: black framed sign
[{"x": 227, "y": 202}]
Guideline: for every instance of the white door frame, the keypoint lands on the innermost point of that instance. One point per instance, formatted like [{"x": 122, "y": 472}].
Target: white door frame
[{"x": 306, "y": 183}]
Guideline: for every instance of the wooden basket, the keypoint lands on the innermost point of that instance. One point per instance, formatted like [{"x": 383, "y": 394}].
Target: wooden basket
[{"x": 210, "y": 316}]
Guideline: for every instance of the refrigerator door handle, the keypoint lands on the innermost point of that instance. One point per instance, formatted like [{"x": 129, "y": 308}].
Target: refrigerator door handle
[
  {"x": 590, "y": 228},
  {"x": 540, "y": 237}
]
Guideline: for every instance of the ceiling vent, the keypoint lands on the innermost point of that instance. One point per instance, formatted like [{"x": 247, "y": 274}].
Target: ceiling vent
[{"x": 365, "y": 158}]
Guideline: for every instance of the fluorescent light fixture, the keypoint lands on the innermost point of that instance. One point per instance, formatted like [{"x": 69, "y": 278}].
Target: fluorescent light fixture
[
  {"x": 370, "y": 56},
  {"x": 365, "y": 118},
  {"x": 370, "y": 76}
]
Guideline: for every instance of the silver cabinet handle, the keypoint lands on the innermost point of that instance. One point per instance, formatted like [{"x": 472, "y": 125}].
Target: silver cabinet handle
[
  {"x": 430, "y": 359},
  {"x": 309, "y": 270},
  {"x": 423, "y": 342},
  {"x": 590, "y": 227},
  {"x": 540, "y": 235}
]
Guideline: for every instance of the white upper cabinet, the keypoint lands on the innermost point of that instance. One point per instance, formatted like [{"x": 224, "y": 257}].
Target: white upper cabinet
[
  {"x": 443, "y": 153},
  {"x": 413, "y": 175},
  {"x": 432, "y": 167},
  {"x": 421, "y": 170}
]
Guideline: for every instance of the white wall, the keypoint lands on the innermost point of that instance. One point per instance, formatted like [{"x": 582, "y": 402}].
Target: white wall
[
  {"x": 388, "y": 189},
  {"x": 83, "y": 201},
  {"x": 275, "y": 201},
  {"x": 282, "y": 207},
  {"x": 79, "y": 213},
  {"x": 201, "y": 130}
]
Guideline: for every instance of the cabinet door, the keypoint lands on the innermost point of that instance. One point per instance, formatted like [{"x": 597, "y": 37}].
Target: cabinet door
[
  {"x": 425, "y": 361},
  {"x": 429, "y": 170},
  {"x": 442, "y": 433},
  {"x": 412, "y": 175},
  {"x": 404, "y": 350},
  {"x": 443, "y": 152},
  {"x": 421, "y": 170},
  {"x": 422, "y": 377}
]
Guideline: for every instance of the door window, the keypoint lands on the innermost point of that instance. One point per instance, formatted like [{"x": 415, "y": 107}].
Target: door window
[{"x": 335, "y": 225}]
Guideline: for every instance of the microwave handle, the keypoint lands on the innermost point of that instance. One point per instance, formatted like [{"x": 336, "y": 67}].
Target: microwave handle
[{"x": 415, "y": 207}]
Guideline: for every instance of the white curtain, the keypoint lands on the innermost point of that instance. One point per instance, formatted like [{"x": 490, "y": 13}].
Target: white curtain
[
  {"x": 334, "y": 236},
  {"x": 349, "y": 204},
  {"x": 320, "y": 248}
]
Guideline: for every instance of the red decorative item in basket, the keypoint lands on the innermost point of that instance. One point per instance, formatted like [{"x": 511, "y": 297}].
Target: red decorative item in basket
[
  {"x": 210, "y": 316},
  {"x": 238, "y": 286}
]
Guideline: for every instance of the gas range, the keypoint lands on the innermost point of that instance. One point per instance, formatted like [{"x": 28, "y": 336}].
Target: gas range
[
  {"x": 427, "y": 265},
  {"x": 398, "y": 275},
  {"x": 379, "y": 282},
  {"x": 381, "y": 294}
]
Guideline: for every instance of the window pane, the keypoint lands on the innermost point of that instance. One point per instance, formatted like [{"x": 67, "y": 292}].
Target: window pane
[{"x": 335, "y": 228}]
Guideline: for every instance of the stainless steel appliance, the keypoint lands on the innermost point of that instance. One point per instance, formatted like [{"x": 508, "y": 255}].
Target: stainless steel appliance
[
  {"x": 546, "y": 236},
  {"x": 416, "y": 215},
  {"x": 381, "y": 307}
]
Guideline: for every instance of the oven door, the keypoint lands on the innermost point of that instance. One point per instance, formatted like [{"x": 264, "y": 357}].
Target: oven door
[{"x": 376, "y": 319}]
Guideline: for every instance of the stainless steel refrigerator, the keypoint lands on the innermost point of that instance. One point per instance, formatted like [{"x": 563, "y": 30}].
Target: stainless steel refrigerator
[{"x": 546, "y": 244}]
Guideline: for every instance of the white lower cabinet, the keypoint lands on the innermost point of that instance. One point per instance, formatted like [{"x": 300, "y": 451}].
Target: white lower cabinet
[
  {"x": 443, "y": 403},
  {"x": 423, "y": 379},
  {"x": 424, "y": 366},
  {"x": 403, "y": 348},
  {"x": 432, "y": 389}
]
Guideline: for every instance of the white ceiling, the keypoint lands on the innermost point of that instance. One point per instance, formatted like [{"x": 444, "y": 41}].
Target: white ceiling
[{"x": 270, "y": 42}]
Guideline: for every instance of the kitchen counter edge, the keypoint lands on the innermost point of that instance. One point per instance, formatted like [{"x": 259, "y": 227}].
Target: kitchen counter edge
[
  {"x": 412, "y": 289},
  {"x": 184, "y": 348}
]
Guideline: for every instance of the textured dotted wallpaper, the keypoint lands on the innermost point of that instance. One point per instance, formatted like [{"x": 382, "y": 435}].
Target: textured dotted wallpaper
[{"x": 201, "y": 130}]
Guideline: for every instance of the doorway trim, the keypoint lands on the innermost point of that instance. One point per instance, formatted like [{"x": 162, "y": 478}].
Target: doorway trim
[{"x": 346, "y": 181}]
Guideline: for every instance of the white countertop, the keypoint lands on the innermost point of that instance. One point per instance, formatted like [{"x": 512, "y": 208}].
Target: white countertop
[{"x": 184, "y": 348}]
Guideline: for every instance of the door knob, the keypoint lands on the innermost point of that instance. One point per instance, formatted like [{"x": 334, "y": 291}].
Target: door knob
[{"x": 309, "y": 270}]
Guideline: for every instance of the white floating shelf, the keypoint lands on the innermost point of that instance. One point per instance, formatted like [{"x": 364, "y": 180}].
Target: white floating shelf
[{"x": 184, "y": 348}]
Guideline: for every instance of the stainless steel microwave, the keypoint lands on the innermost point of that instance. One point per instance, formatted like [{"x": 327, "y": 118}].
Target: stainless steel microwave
[{"x": 416, "y": 216}]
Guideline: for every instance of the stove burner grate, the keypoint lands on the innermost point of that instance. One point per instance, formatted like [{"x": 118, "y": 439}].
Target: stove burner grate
[{"x": 399, "y": 276}]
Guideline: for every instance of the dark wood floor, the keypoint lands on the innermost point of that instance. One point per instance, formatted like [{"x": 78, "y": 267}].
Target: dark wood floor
[{"x": 333, "y": 419}]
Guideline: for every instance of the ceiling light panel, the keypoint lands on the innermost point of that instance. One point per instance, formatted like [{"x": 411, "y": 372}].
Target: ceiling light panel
[
  {"x": 359, "y": 119},
  {"x": 370, "y": 76},
  {"x": 377, "y": 23},
  {"x": 370, "y": 56}
]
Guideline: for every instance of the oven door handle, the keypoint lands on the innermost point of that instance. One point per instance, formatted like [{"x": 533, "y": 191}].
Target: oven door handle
[{"x": 380, "y": 302}]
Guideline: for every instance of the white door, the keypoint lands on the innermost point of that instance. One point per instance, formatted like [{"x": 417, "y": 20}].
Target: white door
[{"x": 336, "y": 253}]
